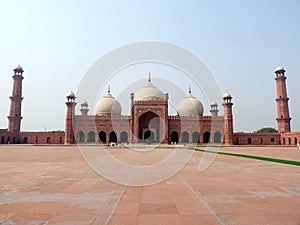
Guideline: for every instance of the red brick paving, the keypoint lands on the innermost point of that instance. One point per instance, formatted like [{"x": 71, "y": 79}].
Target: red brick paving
[{"x": 54, "y": 185}]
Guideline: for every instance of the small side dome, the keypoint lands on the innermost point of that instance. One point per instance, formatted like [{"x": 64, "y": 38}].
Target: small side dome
[
  {"x": 213, "y": 104},
  {"x": 190, "y": 106},
  {"x": 71, "y": 94},
  {"x": 279, "y": 69},
  {"x": 227, "y": 95},
  {"x": 108, "y": 105},
  {"x": 84, "y": 103},
  {"x": 19, "y": 67}
]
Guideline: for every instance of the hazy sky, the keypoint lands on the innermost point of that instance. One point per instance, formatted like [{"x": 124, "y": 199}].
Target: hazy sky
[{"x": 242, "y": 42}]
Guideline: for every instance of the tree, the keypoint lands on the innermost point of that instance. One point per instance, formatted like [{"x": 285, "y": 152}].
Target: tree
[{"x": 266, "y": 130}]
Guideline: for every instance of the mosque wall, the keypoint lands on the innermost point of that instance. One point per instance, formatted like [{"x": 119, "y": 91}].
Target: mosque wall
[
  {"x": 291, "y": 138},
  {"x": 256, "y": 139}
]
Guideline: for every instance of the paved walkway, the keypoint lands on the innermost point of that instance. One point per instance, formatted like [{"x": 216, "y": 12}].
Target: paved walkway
[{"x": 54, "y": 185}]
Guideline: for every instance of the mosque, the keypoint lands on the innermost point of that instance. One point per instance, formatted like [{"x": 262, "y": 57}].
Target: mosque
[{"x": 149, "y": 120}]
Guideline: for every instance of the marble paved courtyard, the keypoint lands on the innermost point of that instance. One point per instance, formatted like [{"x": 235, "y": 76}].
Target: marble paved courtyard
[{"x": 55, "y": 185}]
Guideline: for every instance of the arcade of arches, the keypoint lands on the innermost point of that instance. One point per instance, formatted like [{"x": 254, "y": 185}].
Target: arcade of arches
[{"x": 148, "y": 136}]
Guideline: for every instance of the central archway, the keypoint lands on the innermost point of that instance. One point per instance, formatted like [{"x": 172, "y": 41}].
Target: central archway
[{"x": 149, "y": 127}]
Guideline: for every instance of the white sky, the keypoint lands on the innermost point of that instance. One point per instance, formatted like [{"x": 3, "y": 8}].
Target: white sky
[{"x": 242, "y": 42}]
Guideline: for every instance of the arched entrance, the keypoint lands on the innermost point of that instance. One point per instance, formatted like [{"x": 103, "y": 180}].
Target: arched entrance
[
  {"x": 196, "y": 137},
  {"x": 91, "y": 136},
  {"x": 149, "y": 127},
  {"x": 124, "y": 137},
  {"x": 102, "y": 137},
  {"x": 80, "y": 137},
  {"x": 206, "y": 137},
  {"x": 185, "y": 137},
  {"x": 217, "y": 137},
  {"x": 249, "y": 141},
  {"x": 113, "y": 137},
  {"x": 174, "y": 137},
  {"x": 149, "y": 136}
]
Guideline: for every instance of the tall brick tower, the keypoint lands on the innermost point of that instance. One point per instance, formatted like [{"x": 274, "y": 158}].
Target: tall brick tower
[
  {"x": 228, "y": 119},
  {"x": 283, "y": 116},
  {"x": 69, "y": 129},
  {"x": 14, "y": 118}
]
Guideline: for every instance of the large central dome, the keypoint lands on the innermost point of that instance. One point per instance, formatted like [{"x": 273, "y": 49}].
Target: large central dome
[{"x": 149, "y": 93}]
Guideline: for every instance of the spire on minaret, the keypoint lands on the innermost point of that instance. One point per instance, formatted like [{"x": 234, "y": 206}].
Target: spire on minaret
[
  {"x": 190, "y": 91},
  {"x": 108, "y": 90},
  {"x": 149, "y": 77}
]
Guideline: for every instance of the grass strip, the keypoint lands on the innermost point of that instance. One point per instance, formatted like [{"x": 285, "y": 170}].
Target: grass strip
[{"x": 282, "y": 161}]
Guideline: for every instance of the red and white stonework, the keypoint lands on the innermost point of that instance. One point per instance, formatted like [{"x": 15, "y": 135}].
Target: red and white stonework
[{"x": 149, "y": 120}]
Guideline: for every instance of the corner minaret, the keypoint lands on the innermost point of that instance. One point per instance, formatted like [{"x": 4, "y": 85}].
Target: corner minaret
[
  {"x": 14, "y": 118},
  {"x": 214, "y": 109},
  {"x": 69, "y": 129},
  {"x": 228, "y": 119},
  {"x": 283, "y": 116},
  {"x": 84, "y": 108}
]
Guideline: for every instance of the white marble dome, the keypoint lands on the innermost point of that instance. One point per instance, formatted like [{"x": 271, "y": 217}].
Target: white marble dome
[
  {"x": 190, "y": 106},
  {"x": 227, "y": 95},
  {"x": 279, "y": 68},
  {"x": 108, "y": 105},
  {"x": 149, "y": 93},
  {"x": 71, "y": 94}
]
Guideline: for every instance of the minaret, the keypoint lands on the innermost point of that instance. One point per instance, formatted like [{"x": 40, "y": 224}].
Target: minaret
[
  {"x": 14, "y": 118},
  {"x": 214, "y": 109},
  {"x": 69, "y": 130},
  {"x": 283, "y": 116},
  {"x": 84, "y": 108},
  {"x": 228, "y": 119}
]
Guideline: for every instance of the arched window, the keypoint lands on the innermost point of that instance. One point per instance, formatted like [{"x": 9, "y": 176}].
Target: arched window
[
  {"x": 185, "y": 137},
  {"x": 217, "y": 137},
  {"x": 290, "y": 142},
  {"x": 206, "y": 137},
  {"x": 124, "y": 137},
  {"x": 113, "y": 137},
  {"x": 2, "y": 140},
  {"x": 237, "y": 141},
  {"x": 25, "y": 140},
  {"x": 283, "y": 141},
  {"x": 174, "y": 137},
  {"x": 272, "y": 141},
  {"x": 261, "y": 141},
  {"x": 249, "y": 141},
  {"x": 102, "y": 137},
  {"x": 91, "y": 136},
  {"x": 80, "y": 137},
  {"x": 196, "y": 137},
  {"x": 48, "y": 140},
  {"x": 295, "y": 141}
]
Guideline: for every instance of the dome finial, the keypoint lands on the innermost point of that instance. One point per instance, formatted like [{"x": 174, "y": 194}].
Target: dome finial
[
  {"x": 149, "y": 77},
  {"x": 108, "y": 89},
  {"x": 190, "y": 91}
]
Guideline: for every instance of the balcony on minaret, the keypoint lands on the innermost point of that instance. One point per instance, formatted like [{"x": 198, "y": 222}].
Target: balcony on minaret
[{"x": 279, "y": 71}]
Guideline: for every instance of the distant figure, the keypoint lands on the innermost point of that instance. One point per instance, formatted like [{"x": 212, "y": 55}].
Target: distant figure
[{"x": 298, "y": 145}]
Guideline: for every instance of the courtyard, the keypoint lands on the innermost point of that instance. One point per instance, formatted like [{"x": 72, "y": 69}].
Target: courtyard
[{"x": 54, "y": 185}]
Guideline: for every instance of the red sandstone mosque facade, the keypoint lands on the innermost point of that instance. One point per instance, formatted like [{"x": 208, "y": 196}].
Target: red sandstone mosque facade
[{"x": 149, "y": 121}]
